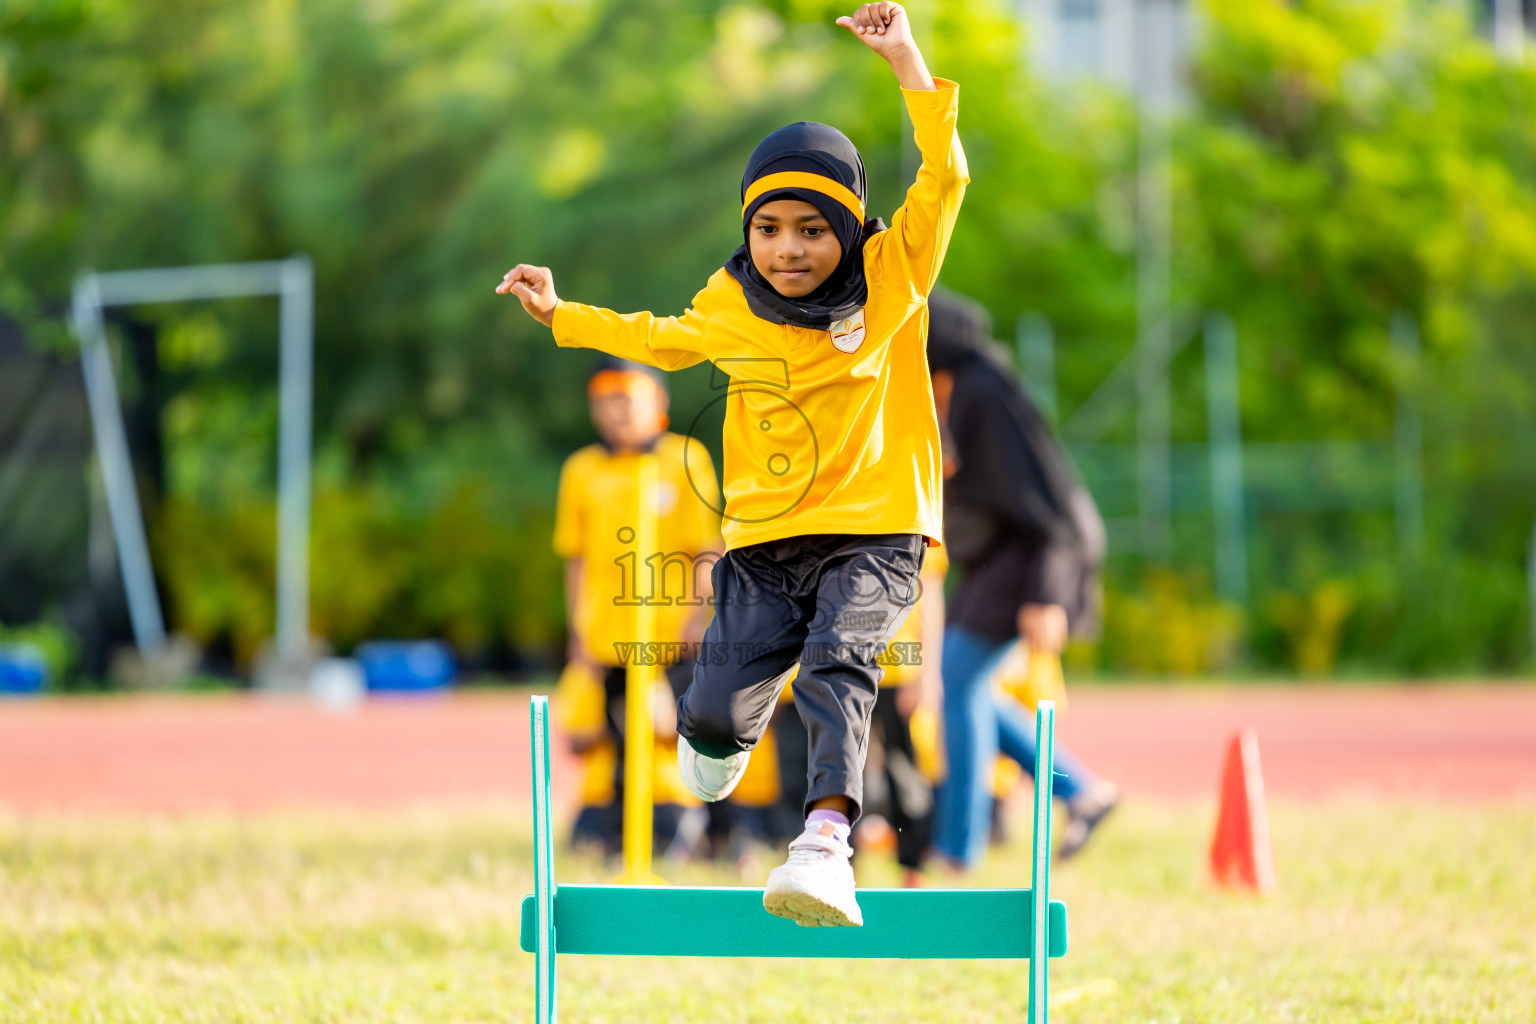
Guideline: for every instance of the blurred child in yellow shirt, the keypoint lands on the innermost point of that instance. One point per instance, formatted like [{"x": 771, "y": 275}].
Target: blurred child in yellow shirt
[{"x": 595, "y": 533}]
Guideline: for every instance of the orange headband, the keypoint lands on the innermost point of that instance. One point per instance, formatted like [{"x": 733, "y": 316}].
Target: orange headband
[
  {"x": 610, "y": 382},
  {"x": 620, "y": 382},
  {"x": 804, "y": 179}
]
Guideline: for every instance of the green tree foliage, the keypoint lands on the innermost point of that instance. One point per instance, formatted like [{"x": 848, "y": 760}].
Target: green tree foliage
[
  {"x": 1339, "y": 161},
  {"x": 1347, "y": 162}
]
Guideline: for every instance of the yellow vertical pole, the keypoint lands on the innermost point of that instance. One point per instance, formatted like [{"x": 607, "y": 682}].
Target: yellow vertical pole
[{"x": 639, "y": 688}]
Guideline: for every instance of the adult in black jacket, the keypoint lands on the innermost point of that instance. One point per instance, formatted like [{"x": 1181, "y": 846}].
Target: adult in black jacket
[{"x": 1028, "y": 542}]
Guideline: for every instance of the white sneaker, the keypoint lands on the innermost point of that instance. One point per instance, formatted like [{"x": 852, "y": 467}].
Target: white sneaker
[
  {"x": 814, "y": 887},
  {"x": 710, "y": 778}
]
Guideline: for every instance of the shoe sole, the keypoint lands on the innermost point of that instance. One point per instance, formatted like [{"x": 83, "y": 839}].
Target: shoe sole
[{"x": 808, "y": 910}]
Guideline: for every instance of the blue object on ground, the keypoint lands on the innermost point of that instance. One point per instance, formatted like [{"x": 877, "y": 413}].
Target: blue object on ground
[
  {"x": 406, "y": 666},
  {"x": 23, "y": 669}
]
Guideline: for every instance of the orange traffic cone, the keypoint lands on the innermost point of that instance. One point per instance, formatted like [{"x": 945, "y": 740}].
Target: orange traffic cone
[{"x": 1241, "y": 855}]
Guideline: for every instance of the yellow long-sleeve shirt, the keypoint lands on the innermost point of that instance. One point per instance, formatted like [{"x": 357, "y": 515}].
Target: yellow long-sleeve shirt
[{"x": 822, "y": 435}]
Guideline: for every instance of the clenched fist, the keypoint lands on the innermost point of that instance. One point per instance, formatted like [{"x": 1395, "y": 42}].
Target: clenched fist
[
  {"x": 535, "y": 288},
  {"x": 886, "y": 29},
  {"x": 882, "y": 27}
]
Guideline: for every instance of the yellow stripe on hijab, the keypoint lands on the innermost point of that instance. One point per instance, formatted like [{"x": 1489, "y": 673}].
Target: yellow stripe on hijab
[{"x": 804, "y": 179}]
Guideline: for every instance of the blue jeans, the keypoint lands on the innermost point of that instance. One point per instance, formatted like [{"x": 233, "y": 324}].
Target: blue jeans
[{"x": 978, "y": 724}]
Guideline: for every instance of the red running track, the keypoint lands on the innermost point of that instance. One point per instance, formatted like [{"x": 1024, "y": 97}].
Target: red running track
[
  {"x": 1472, "y": 742},
  {"x": 243, "y": 753}
]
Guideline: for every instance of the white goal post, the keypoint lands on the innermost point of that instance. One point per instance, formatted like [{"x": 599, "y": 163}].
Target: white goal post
[{"x": 292, "y": 280}]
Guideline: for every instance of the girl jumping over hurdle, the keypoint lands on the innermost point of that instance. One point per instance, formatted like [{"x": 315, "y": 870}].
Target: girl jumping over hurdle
[{"x": 832, "y": 458}]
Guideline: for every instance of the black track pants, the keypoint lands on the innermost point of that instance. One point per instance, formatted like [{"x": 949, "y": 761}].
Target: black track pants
[{"x": 829, "y": 602}]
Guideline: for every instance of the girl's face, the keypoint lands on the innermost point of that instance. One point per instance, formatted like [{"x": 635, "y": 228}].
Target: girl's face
[{"x": 793, "y": 246}]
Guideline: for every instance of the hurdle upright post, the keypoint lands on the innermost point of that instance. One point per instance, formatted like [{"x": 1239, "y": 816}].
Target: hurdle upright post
[
  {"x": 640, "y": 686},
  {"x": 543, "y": 865},
  {"x": 1040, "y": 880}
]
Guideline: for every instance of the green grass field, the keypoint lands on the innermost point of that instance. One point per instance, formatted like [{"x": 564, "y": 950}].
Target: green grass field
[{"x": 1386, "y": 913}]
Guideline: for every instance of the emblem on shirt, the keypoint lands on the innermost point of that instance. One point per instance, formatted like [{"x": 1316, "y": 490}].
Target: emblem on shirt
[{"x": 848, "y": 335}]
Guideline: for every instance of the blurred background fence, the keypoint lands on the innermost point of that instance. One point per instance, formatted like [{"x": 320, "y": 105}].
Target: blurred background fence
[{"x": 1272, "y": 267}]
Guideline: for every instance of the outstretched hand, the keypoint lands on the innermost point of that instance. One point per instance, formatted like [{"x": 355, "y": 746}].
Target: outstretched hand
[
  {"x": 883, "y": 27},
  {"x": 535, "y": 288}
]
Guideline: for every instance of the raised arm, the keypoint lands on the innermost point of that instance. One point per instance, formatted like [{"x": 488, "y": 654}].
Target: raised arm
[
  {"x": 913, "y": 250},
  {"x": 669, "y": 343}
]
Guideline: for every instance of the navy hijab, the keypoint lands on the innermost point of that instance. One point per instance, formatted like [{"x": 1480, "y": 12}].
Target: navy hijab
[{"x": 815, "y": 163}]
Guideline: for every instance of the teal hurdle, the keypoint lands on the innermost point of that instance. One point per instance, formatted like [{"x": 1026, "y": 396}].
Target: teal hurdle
[{"x": 913, "y": 924}]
